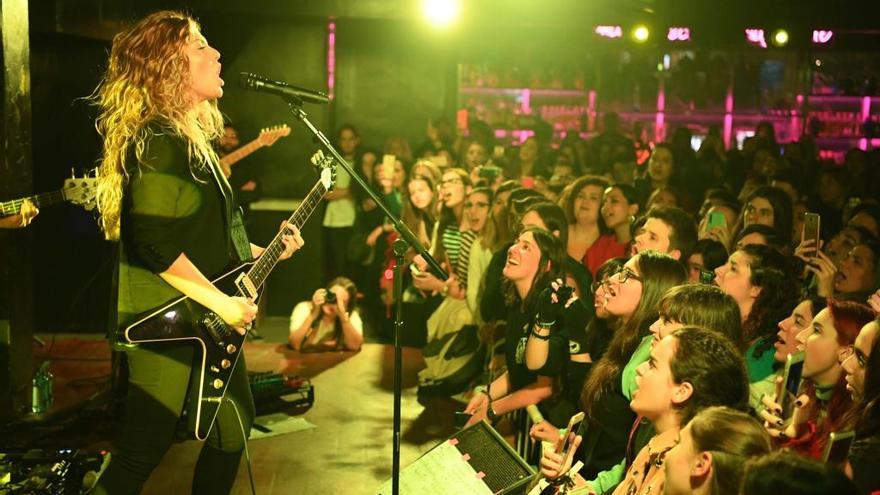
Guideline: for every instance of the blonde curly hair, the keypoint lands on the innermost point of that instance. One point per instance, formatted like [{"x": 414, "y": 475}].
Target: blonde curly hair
[{"x": 148, "y": 80}]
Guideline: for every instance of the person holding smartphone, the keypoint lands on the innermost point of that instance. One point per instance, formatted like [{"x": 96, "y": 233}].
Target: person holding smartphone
[
  {"x": 800, "y": 319},
  {"x": 824, "y": 405},
  {"x": 688, "y": 370}
]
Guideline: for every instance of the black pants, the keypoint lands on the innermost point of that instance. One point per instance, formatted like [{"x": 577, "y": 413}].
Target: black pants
[{"x": 159, "y": 378}]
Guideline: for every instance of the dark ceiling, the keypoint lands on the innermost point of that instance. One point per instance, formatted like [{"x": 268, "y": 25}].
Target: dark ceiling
[{"x": 94, "y": 16}]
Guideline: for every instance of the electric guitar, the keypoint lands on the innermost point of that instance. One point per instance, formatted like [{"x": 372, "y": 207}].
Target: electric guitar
[
  {"x": 267, "y": 138},
  {"x": 183, "y": 319},
  {"x": 78, "y": 190}
]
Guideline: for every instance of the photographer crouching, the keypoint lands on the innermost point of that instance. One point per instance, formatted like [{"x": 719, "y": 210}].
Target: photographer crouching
[{"x": 329, "y": 322}]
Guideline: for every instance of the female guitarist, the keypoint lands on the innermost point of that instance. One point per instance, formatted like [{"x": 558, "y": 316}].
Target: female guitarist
[{"x": 163, "y": 197}]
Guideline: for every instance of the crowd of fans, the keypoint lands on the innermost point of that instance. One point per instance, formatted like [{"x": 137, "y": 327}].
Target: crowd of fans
[{"x": 661, "y": 296}]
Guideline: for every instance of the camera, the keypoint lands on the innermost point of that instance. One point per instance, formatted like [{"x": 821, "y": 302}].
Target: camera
[{"x": 330, "y": 298}]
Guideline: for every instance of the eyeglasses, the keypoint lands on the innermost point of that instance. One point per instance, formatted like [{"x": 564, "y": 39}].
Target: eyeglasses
[
  {"x": 451, "y": 181},
  {"x": 623, "y": 276}
]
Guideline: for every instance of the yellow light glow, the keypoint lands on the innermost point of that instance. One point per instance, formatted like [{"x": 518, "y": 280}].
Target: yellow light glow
[
  {"x": 780, "y": 37},
  {"x": 440, "y": 12},
  {"x": 641, "y": 33}
]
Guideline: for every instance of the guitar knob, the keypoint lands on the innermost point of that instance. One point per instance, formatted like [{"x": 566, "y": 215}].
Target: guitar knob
[
  {"x": 225, "y": 364},
  {"x": 217, "y": 383},
  {"x": 231, "y": 349},
  {"x": 215, "y": 369}
]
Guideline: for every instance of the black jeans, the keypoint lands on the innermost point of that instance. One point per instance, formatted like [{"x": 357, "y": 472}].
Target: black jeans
[{"x": 159, "y": 378}]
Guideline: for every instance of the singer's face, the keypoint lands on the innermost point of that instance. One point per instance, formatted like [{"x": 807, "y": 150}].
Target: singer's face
[{"x": 204, "y": 69}]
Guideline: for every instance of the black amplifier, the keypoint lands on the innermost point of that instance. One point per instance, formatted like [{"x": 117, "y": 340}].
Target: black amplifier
[{"x": 276, "y": 392}]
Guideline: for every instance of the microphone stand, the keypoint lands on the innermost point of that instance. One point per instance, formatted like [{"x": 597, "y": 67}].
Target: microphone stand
[{"x": 405, "y": 240}]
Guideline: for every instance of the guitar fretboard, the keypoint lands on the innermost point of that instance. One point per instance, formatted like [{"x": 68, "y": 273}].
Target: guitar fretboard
[
  {"x": 267, "y": 261},
  {"x": 240, "y": 153},
  {"x": 40, "y": 200}
]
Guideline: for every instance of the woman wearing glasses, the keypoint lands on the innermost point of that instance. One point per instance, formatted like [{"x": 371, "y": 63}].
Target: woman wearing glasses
[
  {"x": 824, "y": 404},
  {"x": 454, "y": 354},
  {"x": 632, "y": 297}
]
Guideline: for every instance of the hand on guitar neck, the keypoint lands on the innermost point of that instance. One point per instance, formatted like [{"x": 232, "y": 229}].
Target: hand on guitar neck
[{"x": 21, "y": 219}]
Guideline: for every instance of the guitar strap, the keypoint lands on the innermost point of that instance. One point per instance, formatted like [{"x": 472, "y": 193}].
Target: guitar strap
[{"x": 241, "y": 246}]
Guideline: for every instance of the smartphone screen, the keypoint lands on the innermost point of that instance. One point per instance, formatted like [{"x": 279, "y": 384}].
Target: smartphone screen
[
  {"x": 571, "y": 432},
  {"x": 716, "y": 219},
  {"x": 794, "y": 366},
  {"x": 838, "y": 447},
  {"x": 811, "y": 231}
]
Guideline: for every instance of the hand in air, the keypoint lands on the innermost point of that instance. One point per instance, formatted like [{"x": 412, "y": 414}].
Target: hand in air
[
  {"x": 775, "y": 424},
  {"x": 544, "y": 431},
  {"x": 553, "y": 300}
]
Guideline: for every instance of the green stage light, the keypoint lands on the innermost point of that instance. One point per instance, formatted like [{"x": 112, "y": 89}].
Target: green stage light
[
  {"x": 440, "y": 12},
  {"x": 780, "y": 37},
  {"x": 641, "y": 33}
]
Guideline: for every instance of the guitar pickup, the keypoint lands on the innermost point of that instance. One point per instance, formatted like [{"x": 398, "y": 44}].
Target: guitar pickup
[{"x": 246, "y": 286}]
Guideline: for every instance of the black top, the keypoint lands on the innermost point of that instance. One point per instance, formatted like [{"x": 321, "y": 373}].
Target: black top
[
  {"x": 864, "y": 458},
  {"x": 519, "y": 325},
  {"x": 169, "y": 209},
  {"x": 606, "y": 434}
]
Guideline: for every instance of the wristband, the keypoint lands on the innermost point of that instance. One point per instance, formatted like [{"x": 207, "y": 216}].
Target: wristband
[
  {"x": 539, "y": 336},
  {"x": 490, "y": 414}
]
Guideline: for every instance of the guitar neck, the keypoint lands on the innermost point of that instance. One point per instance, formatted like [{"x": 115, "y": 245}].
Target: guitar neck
[
  {"x": 240, "y": 153},
  {"x": 39, "y": 200},
  {"x": 267, "y": 261}
]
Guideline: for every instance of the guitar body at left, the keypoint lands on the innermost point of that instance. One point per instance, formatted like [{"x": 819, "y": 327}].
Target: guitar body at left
[{"x": 218, "y": 346}]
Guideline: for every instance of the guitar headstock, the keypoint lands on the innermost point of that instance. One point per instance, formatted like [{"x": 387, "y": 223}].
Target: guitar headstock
[
  {"x": 82, "y": 190},
  {"x": 269, "y": 135},
  {"x": 326, "y": 166}
]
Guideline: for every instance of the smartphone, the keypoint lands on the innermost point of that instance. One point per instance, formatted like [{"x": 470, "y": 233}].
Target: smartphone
[
  {"x": 707, "y": 277},
  {"x": 388, "y": 162},
  {"x": 716, "y": 219},
  {"x": 811, "y": 231},
  {"x": 460, "y": 418},
  {"x": 791, "y": 381},
  {"x": 498, "y": 151},
  {"x": 571, "y": 432},
  {"x": 837, "y": 448}
]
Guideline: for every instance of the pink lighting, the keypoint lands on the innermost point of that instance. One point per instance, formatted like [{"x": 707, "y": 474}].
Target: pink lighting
[
  {"x": 660, "y": 116},
  {"x": 679, "y": 34},
  {"x": 609, "y": 31},
  {"x": 525, "y": 104},
  {"x": 866, "y": 115},
  {"x": 822, "y": 36},
  {"x": 331, "y": 58},
  {"x": 756, "y": 37}
]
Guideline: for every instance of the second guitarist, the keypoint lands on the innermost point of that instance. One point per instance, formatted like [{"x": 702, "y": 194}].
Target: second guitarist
[{"x": 163, "y": 196}]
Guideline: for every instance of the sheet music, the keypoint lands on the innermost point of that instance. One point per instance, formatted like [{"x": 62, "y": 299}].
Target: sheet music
[{"x": 440, "y": 471}]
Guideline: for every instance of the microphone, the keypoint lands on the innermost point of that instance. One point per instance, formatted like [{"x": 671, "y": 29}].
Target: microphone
[{"x": 254, "y": 82}]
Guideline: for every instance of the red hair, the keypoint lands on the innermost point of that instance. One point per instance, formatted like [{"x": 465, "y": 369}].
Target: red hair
[{"x": 849, "y": 318}]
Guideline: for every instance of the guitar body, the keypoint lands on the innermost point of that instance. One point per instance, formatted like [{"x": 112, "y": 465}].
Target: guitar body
[{"x": 217, "y": 345}]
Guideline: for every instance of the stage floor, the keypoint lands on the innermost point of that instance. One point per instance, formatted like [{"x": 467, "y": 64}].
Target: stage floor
[{"x": 348, "y": 452}]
